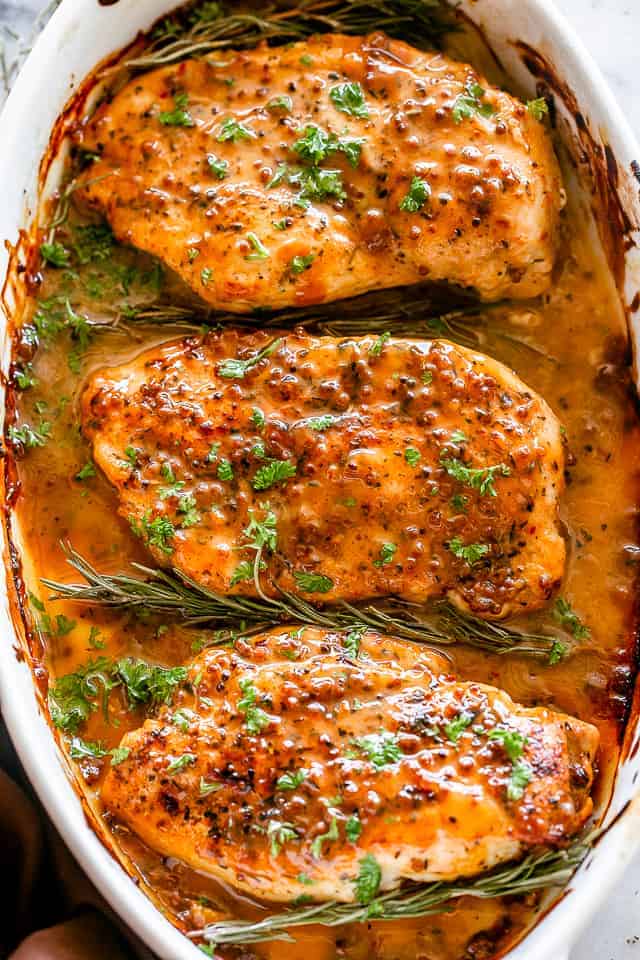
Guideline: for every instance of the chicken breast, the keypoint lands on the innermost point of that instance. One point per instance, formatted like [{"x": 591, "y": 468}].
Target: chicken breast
[
  {"x": 335, "y": 469},
  {"x": 283, "y": 176},
  {"x": 292, "y": 757}
]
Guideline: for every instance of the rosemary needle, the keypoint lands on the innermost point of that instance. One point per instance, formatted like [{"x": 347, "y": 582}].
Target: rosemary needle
[
  {"x": 551, "y": 868},
  {"x": 173, "y": 593}
]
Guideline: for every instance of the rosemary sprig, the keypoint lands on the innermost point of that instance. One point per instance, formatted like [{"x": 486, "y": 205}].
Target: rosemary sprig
[
  {"x": 551, "y": 868},
  {"x": 403, "y": 312},
  {"x": 195, "y": 32},
  {"x": 172, "y": 593}
]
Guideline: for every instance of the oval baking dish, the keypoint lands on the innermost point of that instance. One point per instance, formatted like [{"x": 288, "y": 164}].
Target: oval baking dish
[{"x": 533, "y": 46}]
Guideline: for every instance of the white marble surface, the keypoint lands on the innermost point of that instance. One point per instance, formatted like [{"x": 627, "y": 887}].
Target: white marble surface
[{"x": 611, "y": 31}]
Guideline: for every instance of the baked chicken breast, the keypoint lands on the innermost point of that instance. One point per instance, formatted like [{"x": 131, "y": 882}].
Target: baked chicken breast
[
  {"x": 335, "y": 469},
  {"x": 288, "y": 760},
  {"x": 284, "y": 176}
]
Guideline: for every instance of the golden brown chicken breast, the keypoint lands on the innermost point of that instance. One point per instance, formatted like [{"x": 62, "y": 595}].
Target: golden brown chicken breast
[
  {"x": 336, "y": 469},
  {"x": 296, "y": 755},
  {"x": 319, "y": 170}
]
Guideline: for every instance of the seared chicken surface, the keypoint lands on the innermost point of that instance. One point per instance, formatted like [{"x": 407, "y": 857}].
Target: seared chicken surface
[
  {"x": 291, "y": 175},
  {"x": 288, "y": 759},
  {"x": 335, "y": 469}
]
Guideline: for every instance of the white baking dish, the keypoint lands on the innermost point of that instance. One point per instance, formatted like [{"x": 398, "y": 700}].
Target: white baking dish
[{"x": 81, "y": 34}]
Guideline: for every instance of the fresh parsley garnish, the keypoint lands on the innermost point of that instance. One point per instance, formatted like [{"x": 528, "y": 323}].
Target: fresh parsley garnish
[
  {"x": 349, "y": 98},
  {"x": 380, "y": 748},
  {"x": 353, "y": 828},
  {"x": 301, "y": 263},
  {"x": 412, "y": 456},
  {"x": 387, "y": 553},
  {"x": 416, "y": 197},
  {"x": 456, "y": 727},
  {"x": 234, "y": 131},
  {"x": 275, "y": 471},
  {"x": 217, "y": 167},
  {"x": 225, "y": 470},
  {"x": 280, "y": 833},
  {"x": 471, "y": 102},
  {"x": 260, "y": 252},
  {"x": 376, "y": 348},
  {"x": 236, "y": 369},
  {"x": 55, "y": 254},
  {"x": 281, "y": 104},
  {"x": 254, "y": 717},
  {"x": 86, "y": 472},
  {"x": 179, "y": 116},
  {"x": 158, "y": 532},
  {"x": 291, "y": 780},
  {"x": 566, "y": 615},
  {"x": 312, "y": 582},
  {"x": 539, "y": 108},
  {"x": 367, "y": 883},
  {"x": 471, "y": 553},
  {"x": 181, "y": 763},
  {"x": 481, "y": 479},
  {"x": 331, "y": 834}
]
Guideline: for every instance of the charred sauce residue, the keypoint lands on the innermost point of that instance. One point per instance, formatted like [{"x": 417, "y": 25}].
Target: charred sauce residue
[{"x": 592, "y": 395}]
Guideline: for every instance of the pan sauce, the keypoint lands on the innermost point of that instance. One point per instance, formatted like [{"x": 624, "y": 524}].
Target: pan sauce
[{"x": 589, "y": 389}]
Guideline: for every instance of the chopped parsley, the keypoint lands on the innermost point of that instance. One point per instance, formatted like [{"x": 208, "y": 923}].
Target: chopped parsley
[
  {"x": 254, "y": 717},
  {"x": 262, "y": 533},
  {"x": 181, "y": 763},
  {"x": 471, "y": 553},
  {"x": 87, "y": 749},
  {"x": 205, "y": 275},
  {"x": 225, "y": 470},
  {"x": 521, "y": 775},
  {"x": 456, "y": 727},
  {"x": 471, "y": 102},
  {"x": 353, "y": 828},
  {"x": 387, "y": 553},
  {"x": 156, "y": 533},
  {"x": 119, "y": 755},
  {"x": 459, "y": 502},
  {"x": 427, "y": 377},
  {"x": 24, "y": 377},
  {"x": 217, "y": 167},
  {"x": 301, "y": 263},
  {"x": 244, "y": 571},
  {"x": 481, "y": 479},
  {"x": 349, "y": 98},
  {"x": 376, "y": 348},
  {"x": 351, "y": 642},
  {"x": 257, "y": 418},
  {"x": 55, "y": 254},
  {"x": 566, "y": 615},
  {"x": 281, "y": 104},
  {"x": 260, "y": 252},
  {"x": 207, "y": 787},
  {"x": 280, "y": 833},
  {"x": 275, "y": 471},
  {"x": 412, "y": 456},
  {"x": 380, "y": 748},
  {"x": 557, "y": 653},
  {"x": 367, "y": 883},
  {"x": 331, "y": 834},
  {"x": 416, "y": 197},
  {"x": 316, "y": 145},
  {"x": 236, "y": 369},
  {"x": 323, "y": 422},
  {"x": 148, "y": 683},
  {"x": 458, "y": 436},
  {"x": 291, "y": 780},
  {"x": 86, "y": 472},
  {"x": 234, "y": 131},
  {"x": 179, "y": 116},
  {"x": 539, "y": 108},
  {"x": 312, "y": 582},
  {"x": 29, "y": 436}
]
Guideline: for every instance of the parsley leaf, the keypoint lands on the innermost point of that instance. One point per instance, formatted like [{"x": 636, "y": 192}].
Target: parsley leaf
[
  {"x": 148, "y": 683},
  {"x": 156, "y": 533},
  {"x": 280, "y": 833},
  {"x": 255, "y": 718},
  {"x": 331, "y": 834},
  {"x": 275, "y": 471},
  {"x": 412, "y": 456},
  {"x": 281, "y": 104},
  {"x": 236, "y": 369},
  {"x": 456, "y": 727},
  {"x": 260, "y": 252},
  {"x": 471, "y": 102},
  {"x": 55, "y": 254},
  {"x": 312, "y": 582},
  {"x": 301, "y": 263},
  {"x": 380, "y": 748},
  {"x": 478, "y": 478},
  {"x": 291, "y": 780},
  {"x": 367, "y": 883},
  {"x": 416, "y": 197},
  {"x": 225, "y": 470},
  {"x": 471, "y": 553},
  {"x": 376, "y": 348},
  {"x": 349, "y": 98},
  {"x": 217, "y": 167},
  {"x": 351, "y": 642},
  {"x": 86, "y": 472},
  {"x": 353, "y": 828},
  {"x": 538, "y": 108},
  {"x": 180, "y": 763},
  {"x": 234, "y": 131},
  {"x": 179, "y": 116},
  {"x": 566, "y": 615},
  {"x": 387, "y": 553},
  {"x": 29, "y": 436},
  {"x": 521, "y": 775}
]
